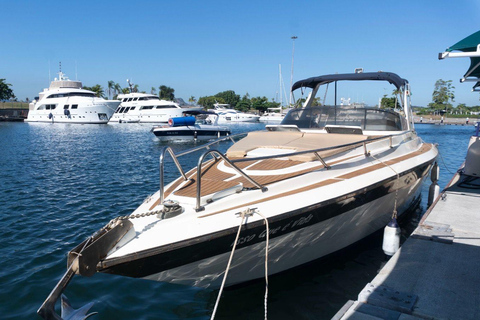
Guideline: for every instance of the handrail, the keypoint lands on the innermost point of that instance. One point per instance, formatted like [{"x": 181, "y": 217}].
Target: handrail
[
  {"x": 198, "y": 207},
  {"x": 175, "y": 159},
  {"x": 207, "y": 145},
  {"x": 162, "y": 156}
]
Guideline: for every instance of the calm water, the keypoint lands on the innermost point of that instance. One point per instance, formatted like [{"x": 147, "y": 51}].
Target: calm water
[{"x": 60, "y": 183}]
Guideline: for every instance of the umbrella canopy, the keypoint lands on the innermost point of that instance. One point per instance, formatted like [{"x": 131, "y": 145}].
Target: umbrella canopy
[{"x": 470, "y": 44}]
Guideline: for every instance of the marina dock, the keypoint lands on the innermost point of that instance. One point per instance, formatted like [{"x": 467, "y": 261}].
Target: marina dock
[{"x": 436, "y": 272}]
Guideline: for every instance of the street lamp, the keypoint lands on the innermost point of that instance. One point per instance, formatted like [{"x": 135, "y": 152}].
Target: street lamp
[{"x": 291, "y": 76}]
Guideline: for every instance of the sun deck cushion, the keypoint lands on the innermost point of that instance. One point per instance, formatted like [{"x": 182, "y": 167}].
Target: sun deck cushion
[
  {"x": 295, "y": 141},
  {"x": 262, "y": 139}
]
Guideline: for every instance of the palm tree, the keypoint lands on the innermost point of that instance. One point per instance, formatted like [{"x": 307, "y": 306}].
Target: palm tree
[
  {"x": 111, "y": 88},
  {"x": 153, "y": 90},
  {"x": 99, "y": 92},
  {"x": 396, "y": 92},
  {"x": 118, "y": 90},
  {"x": 166, "y": 93},
  {"x": 192, "y": 100}
]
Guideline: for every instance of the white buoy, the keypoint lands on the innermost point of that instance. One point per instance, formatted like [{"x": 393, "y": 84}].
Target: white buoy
[
  {"x": 391, "y": 238},
  {"x": 434, "y": 189}
]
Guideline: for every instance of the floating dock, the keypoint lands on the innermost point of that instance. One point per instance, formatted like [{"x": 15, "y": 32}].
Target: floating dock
[{"x": 436, "y": 272}]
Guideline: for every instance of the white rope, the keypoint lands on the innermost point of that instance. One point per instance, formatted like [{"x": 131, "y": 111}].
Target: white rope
[
  {"x": 266, "y": 262},
  {"x": 243, "y": 213}
]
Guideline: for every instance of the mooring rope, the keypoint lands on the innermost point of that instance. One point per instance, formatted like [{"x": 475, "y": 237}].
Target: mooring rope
[
  {"x": 265, "y": 303},
  {"x": 244, "y": 213}
]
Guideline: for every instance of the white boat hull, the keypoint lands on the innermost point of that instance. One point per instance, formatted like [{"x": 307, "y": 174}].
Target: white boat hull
[
  {"x": 293, "y": 249},
  {"x": 85, "y": 113}
]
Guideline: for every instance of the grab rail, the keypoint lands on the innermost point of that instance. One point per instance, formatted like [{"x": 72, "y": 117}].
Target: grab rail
[
  {"x": 179, "y": 167},
  {"x": 175, "y": 159},
  {"x": 199, "y": 176}
]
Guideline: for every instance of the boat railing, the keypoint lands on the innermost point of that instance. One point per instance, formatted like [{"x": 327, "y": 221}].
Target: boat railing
[
  {"x": 177, "y": 163},
  {"x": 198, "y": 206},
  {"x": 217, "y": 153}
]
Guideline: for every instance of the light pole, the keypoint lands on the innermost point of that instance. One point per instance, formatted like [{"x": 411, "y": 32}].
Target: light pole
[{"x": 291, "y": 75}]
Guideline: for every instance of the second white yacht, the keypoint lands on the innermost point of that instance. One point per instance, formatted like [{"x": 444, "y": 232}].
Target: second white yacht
[
  {"x": 226, "y": 114},
  {"x": 145, "y": 107}
]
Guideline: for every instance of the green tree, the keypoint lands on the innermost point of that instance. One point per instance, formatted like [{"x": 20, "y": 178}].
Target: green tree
[
  {"x": 208, "y": 102},
  {"x": 166, "y": 93},
  {"x": 192, "y": 100},
  {"x": 388, "y": 102},
  {"x": 153, "y": 90},
  {"x": 259, "y": 103},
  {"x": 118, "y": 88},
  {"x": 6, "y": 92},
  {"x": 396, "y": 92},
  {"x": 461, "y": 108},
  {"x": 229, "y": 97},
  {"x": 99, "y": 92},
  {"x": 442, "y": 95}
]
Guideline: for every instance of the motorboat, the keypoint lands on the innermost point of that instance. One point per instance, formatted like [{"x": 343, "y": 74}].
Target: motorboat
[
  {"x": 228, "y": 115},
  {"x": 145, "y": 107},
  {"x": 66, "y": 101},
  {"x": 321, "y": 180},
  {"x": 194, "y": 126},
  {"x": 273, "y": 115}
]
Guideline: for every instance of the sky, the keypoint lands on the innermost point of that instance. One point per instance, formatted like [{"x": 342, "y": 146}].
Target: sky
[{"x": 200, "y": 48}]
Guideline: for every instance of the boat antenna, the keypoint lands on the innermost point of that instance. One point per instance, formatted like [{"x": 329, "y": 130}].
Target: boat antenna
[
  {"x": 291, "y": 75},
  {"x": 130, "y": 85}
]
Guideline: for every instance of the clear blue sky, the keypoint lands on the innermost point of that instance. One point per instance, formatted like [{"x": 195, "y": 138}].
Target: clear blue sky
[{"x": 200, "y": 48}]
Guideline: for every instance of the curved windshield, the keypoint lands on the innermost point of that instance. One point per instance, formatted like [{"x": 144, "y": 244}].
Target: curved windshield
[{"x": 366, "y": 118}]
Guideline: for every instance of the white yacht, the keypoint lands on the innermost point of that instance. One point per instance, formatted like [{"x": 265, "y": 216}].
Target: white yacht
[
  {"x": 227, "y": 115},
  {"x": 273, "y": 115},
  {"x": 323, "y": 179},
  {"x": 65, "y": 101},
  {"x": 145, "y": 107}
]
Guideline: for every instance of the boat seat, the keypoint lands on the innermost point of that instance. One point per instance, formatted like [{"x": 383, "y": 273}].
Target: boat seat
[{"x": 294, "y": 141}]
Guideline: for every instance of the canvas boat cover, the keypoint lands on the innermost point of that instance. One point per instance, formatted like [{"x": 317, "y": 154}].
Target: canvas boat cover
[
  {"x": 470, "y": 44},
  {"x": 392, "y": 78}
]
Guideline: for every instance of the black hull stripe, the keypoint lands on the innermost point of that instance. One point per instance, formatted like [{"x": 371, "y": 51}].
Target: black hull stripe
[
  {"x": 189, "y": 133},
  {"x": 152, "y": 261}
]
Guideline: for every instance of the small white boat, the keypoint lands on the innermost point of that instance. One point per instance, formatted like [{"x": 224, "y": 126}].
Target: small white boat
[
  {"x": 191, "y": 128},
  {"x": 66, "y": 102},
  {"x": 323, "y": 179},
  {"x": 228, "y": 115},
  {"x": 147, "y": 108},
  {"x": 273, "y": 115}
]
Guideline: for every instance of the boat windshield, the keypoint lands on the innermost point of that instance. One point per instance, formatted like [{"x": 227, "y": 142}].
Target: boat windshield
[{"x": 372, "y": 119}]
